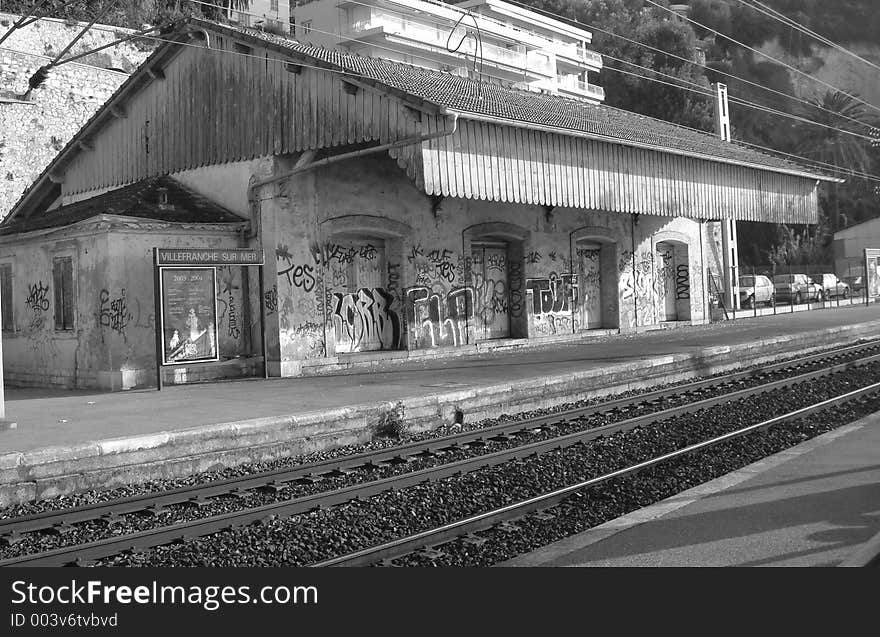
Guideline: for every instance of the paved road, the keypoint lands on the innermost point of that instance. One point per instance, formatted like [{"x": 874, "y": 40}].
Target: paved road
[{"x": 50, "y": 417}]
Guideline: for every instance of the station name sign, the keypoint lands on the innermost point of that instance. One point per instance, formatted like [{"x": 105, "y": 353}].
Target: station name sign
[{"x": 209, "y": 256}]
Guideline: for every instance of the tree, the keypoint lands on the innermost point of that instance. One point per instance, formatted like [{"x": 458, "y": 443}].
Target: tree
[
  {"x": 834, "y": 144},
  {"x": 793, "y": 247},
  {"x": 635, "y": 20}
]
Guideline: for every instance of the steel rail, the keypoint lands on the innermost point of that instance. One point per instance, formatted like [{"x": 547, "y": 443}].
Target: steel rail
[
  {"x": 480, "y": 522},
  {"x": 87, "y": 552},
  {"x": 12, "y": 528}
]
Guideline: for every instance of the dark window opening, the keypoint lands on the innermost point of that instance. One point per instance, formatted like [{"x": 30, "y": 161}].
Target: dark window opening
[
  {"x": 62, "y": 275},
  {"x": 6, "y": 296}
]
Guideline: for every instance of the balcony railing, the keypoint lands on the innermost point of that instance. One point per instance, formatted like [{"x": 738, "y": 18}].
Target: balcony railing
[
  {"x": 443, "y": 10},
  {"x": 572, "y": 84},
  {"x": 575, "y": 52},
  {"x": 429, "y": 35}
]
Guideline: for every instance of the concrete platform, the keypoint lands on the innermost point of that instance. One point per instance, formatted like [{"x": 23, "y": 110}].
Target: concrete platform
[
  {"x": 71, "y": 441},
  {"x": 816, "y": 504}
]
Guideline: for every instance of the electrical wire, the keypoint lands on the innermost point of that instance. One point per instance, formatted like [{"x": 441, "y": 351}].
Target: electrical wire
[
  {"x": 792, "y": 23},
  {"x": 811, "y": 104},
  {"x": 743, "y": 102},
  {"x": 812, "y": 163},
  {"x": 478, "y": 45},
  {"x": 662, "y": 135},
  {"x": 770, "y": 57},
  {"x": 738, "y": 101}
]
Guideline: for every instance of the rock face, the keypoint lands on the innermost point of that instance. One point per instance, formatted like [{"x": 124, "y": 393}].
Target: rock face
[{"x": 35, "y": 130}]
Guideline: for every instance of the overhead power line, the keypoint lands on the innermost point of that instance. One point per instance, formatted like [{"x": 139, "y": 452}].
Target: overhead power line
[
  {"x": 806, "y": 161},
  {"x": 740, "y": 101},
  {"x": 700, "y": 90},
  {"x": 590, "y": 27},
  {"x": 790, "y": 22},
  {"x": 770, "y": 57}
]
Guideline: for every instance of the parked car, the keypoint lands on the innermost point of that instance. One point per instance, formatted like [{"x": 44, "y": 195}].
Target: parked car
[
  {"x": 832, "y": 286},
  {"x": 796, "y": 288},
  {"x": 856, "y": 283},
  {"x": 755, "y": 289}
]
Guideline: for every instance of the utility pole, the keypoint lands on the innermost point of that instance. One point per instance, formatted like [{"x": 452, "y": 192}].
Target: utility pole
[{"x": 730, "y": 255}]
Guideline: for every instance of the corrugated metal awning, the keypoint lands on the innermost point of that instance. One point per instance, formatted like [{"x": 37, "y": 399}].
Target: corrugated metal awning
[{"x": 495, "y": 162}]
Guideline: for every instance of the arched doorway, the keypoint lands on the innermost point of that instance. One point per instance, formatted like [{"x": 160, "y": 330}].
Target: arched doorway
[
  {"x": 490, "y": 274},
  {"x": 672, "y": 279},
  {"x": 597, "y": 301},
  {"x": 496, "y": 253},
  {"x": 590, "y": 285},
  {"x": 361, "y": 284}
]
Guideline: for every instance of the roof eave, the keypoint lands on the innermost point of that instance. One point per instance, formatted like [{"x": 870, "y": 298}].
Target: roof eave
[{"x": 625, "y": 142}]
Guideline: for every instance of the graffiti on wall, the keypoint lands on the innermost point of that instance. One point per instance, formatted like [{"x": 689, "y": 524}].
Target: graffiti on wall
[
  {"x": 270, "y": 298},
  {"x": 490, "y": 296},
  {"x": 553, "y": 324},
  {"x": 38, "y": 297},
  {"x": 305, "y": 340},
  {"x": 434, "y": 265},
  {"x": 364, "y": 320},
  {"x": 113, "y": 312},
  {"x": 515, "y": 287},
  {"x": 637, "y": 289},
  {"x": 337, "y": 253},
  {"x": 229, "y": 314},
  {"x": 438, "y": 319},
  {"x": 643, "y": 277},
  {"x": 682, "y": 282},
  {"x": 552, "y": 294},
  {"x": 40, "y": 340},
  {"x": 298, "y": 275},
  {"x": 665, "y": 274},
  {"x": 553, "y": 300}
]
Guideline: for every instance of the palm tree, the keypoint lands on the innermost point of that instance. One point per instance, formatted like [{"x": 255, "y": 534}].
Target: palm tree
[{"x": 837, "y": 142}]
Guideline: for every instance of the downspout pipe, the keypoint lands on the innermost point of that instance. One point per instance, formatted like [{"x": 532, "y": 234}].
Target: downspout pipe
[
  {"x": 409, "y": 141},
  {"x": 304, "y": 164}
]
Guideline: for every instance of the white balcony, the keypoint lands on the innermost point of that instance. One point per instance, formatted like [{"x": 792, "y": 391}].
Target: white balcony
[
  {"x": 407, "y": 35},
  {"x": 581, "y": 56},
  {"x": 572, "y": 86},
  {"x": 443, "y": 13}
]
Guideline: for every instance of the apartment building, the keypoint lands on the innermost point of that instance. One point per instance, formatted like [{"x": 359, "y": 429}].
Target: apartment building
[
  {"x": 271, "y": 15},
  {"x": 483, "y": 39}
]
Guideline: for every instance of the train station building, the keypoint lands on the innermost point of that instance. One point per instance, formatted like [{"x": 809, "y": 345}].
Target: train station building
[{"x": 402, "y": 212}]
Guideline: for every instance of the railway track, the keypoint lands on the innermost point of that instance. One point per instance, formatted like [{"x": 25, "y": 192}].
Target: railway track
[
  {"x": 506, "y": 434},
  {"x": 427, "y": 542}
]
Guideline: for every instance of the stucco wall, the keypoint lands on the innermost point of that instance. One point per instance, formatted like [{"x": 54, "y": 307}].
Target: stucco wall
[
  {"x": 357, "y": 260},
  {"x": 112, "y": 345},
  {"x": 34, "y": 132},
  {"x": 364, "y": 219}
]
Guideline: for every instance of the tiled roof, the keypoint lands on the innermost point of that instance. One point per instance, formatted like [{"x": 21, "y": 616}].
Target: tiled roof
[
  {"x": 141, "y": 199},
  {"x": 520, "y": 105},
  {"x": 464, "y": 94}
]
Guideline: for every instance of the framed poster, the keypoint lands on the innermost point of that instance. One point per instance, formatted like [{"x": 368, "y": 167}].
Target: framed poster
[
  {"x": 189, "y": 315},
  {"x": 872, "y": 273}
]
